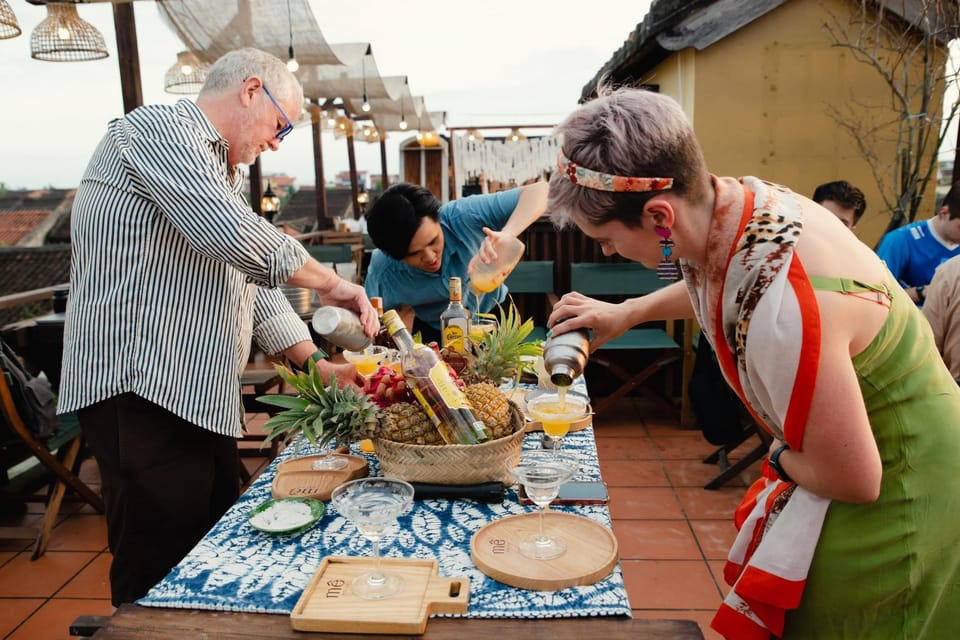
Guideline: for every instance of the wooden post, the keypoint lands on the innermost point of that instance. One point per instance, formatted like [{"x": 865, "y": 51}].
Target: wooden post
[
  {"x": 384, "y": 176},
  {"x": 323, "y": 220},
  {"x": 352, "y": 157},
  {"x": 255, "y": 189},
  {"x": 128, "y": 57}
]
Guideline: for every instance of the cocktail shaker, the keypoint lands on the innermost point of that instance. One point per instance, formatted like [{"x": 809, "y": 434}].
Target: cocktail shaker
[
  {"x": 565, "y": 356},
  {"x": 341, "y": 328}
]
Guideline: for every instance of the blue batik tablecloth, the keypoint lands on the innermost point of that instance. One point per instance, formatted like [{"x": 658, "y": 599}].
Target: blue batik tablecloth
[{"x": 237, "y": 568}]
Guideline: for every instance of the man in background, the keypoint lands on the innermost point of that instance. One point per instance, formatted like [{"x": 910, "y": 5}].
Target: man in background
[
  {"x": 421, "y": 244},
  {"x": 942, "y": 310},
  {"x": 843, "y": 199},
  {"x": 913, "y": 252}
]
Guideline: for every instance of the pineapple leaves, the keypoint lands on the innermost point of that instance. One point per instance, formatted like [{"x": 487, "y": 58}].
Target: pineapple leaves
[{"x": 320, "y": 412}]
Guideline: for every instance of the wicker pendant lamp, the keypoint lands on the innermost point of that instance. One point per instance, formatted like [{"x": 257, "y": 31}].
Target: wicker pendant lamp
[
  {"x": 64, "y": 37},
  {"x": 9, "y": 28},
  {"x": 187, "y": 74}
]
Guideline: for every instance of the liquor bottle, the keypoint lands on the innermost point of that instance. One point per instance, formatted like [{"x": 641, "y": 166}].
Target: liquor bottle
[
  {"x": 455, "y": 320},
  {"x": 429, "y": 379}
]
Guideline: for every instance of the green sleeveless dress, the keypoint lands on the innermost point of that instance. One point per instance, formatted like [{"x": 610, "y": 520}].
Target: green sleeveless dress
[{"x": 891, "y": 569}]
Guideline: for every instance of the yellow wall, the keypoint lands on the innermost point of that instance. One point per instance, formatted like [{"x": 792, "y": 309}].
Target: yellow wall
[{"x": 759, "y": 102}]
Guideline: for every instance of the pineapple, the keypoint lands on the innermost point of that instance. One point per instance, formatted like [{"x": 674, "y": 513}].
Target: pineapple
[
  {"x": 497, "y": 354},
  {"x": 407, "y": 422},
  {"x": 323, "y": 413},
  {"x": 491, "y": 406}
]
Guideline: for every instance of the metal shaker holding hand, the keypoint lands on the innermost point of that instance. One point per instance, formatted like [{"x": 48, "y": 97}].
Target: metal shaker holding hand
[{"x": 565, "y": 356}]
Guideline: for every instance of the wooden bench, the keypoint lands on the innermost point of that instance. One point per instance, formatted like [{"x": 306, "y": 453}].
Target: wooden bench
[
  {"x": 627, "y": 279},
  {"x": 534, "y": 279}
]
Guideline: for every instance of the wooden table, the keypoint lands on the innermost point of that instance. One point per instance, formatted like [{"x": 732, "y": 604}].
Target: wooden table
[{"x": 146, "y": 623}]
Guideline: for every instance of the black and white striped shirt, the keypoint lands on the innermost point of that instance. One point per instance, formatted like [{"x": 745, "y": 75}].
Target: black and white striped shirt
[{"x": 171, "y": 273}]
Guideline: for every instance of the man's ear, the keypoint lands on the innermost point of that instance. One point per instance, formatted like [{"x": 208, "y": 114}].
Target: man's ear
[{"x": 250, "y": 86}]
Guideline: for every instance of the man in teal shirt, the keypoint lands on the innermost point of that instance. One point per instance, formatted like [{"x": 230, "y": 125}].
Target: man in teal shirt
[{"x": 421, "y": 244}]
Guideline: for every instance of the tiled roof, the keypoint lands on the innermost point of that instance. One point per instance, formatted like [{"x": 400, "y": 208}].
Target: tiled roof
[
  {"x": 300, "y": 210},
  {"x": 673, "y": 25},
  {"x": 14, "y": 225},
  {"x": 28, "y": 268}
]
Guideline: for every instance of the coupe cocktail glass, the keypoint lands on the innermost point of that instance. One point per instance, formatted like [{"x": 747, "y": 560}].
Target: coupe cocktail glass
[
  {"x": 556, "y": 410},
  {"x": 541, "y": 473},
  {"x": 373, "y": 504},
  {"x": 366, "y": 361}
]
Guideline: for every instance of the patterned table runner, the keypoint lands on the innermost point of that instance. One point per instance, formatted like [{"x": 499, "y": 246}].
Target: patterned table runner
[{"x": 237, "y": 568}]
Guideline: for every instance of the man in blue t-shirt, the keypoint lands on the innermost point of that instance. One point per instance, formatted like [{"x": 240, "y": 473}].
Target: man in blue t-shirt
[
  {"x": 421, "y": 244},
  {"x": 913, "y": 252}
]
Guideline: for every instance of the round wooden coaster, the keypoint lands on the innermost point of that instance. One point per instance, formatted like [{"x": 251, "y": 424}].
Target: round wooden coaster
[{"x": 591, "y": 551}]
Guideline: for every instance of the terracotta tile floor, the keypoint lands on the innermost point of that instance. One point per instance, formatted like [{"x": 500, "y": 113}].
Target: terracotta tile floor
[{"x": 673, "y": 534}]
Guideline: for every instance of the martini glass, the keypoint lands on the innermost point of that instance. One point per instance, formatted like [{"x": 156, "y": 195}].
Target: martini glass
[
  {"x": 556, "y": 410},
  {"x": 541, "y": 473},
  {"x": 373, "y": 504}
]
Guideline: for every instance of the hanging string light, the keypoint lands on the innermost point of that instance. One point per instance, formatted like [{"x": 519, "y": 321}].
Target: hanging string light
[
  {"x": 403, "y": 119},
  {"x": 292, "y": 63},
  {"x": 365, "y": 107}
]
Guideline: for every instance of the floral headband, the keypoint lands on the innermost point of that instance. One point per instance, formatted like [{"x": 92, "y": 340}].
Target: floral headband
[{"x": 607, "y": 182}]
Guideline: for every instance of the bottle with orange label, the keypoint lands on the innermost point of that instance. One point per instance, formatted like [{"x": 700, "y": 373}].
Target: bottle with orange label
[{"x": 429, "y": 379}]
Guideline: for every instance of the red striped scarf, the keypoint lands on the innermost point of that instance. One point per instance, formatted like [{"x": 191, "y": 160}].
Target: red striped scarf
[{"x": 756, "y": 303}]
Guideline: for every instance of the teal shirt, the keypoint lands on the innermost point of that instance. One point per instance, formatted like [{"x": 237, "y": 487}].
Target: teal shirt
[{"x": 462, "y": 223}]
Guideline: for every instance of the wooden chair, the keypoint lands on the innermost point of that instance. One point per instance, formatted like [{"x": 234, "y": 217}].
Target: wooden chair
[
  {"x": 627, "y": 279},
  {"x": 255, "y": 383},
  {"x": 59, "y": 454},
  {"x": 535, "y": 278}
]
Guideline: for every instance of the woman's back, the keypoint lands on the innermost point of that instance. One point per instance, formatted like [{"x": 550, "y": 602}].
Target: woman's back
[{"x": 891, "y": 568}]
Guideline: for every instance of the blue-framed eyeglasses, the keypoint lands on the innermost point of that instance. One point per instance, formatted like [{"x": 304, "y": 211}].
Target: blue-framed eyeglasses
[{"x": 285, "y": 129}]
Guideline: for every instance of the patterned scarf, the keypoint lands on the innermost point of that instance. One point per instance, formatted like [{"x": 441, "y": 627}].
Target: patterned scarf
[{"x": 757, "y": 306}]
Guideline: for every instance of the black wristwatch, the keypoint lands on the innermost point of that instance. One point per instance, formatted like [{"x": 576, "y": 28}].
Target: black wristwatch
[{"x": 775, "y": 463}]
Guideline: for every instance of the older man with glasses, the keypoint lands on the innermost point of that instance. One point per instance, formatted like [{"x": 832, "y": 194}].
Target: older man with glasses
[{"x": 172, "y": 276}]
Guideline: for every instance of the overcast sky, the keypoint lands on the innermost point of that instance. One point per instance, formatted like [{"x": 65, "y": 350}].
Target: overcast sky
[
  {"x": 498, "y": 62},
  {"x": 495, "y": 62}
]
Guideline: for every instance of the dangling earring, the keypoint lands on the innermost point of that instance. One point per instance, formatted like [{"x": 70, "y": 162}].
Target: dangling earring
[{"x": 667, "y": 269}]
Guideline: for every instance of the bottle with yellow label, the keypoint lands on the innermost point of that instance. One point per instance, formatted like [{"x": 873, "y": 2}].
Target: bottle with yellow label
[
  {"x": 428, "y": 377},
  {"x": 455, "y": 320}
]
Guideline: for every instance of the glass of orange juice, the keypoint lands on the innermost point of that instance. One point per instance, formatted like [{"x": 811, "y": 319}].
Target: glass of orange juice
[{"x": 556, "y": 410}]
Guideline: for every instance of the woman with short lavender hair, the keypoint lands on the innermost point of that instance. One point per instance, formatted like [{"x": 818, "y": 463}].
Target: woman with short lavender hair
[{"x": 853, "y": 528}]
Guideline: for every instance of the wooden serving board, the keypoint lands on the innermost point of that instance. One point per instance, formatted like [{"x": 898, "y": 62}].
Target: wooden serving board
[
  {"x": 591, "y": 551},
  {"x": 296, "y": 477},
  {"x": 328, "y": 604}
]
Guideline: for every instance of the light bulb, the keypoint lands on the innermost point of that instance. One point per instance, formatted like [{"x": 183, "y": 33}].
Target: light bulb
[
  {"x": 186, "y": 70},
  {"x": 293, "y": 65},
  {"x": 403, "y": 125},
  {"x": 63, "y": 33},
  {"x": 365, "y": 107}
]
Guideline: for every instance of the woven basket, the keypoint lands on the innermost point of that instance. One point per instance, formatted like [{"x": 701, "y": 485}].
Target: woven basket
[{"x": 452, "y": 464}]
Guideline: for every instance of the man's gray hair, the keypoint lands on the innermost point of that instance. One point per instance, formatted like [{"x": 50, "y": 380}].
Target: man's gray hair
[{"x": 234, "y": 67}]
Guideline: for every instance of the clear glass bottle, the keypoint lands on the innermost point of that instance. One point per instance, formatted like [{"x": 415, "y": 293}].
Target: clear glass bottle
[
  {"x": 429, "y": 379},
  {"x": 455, "y": 320}
]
